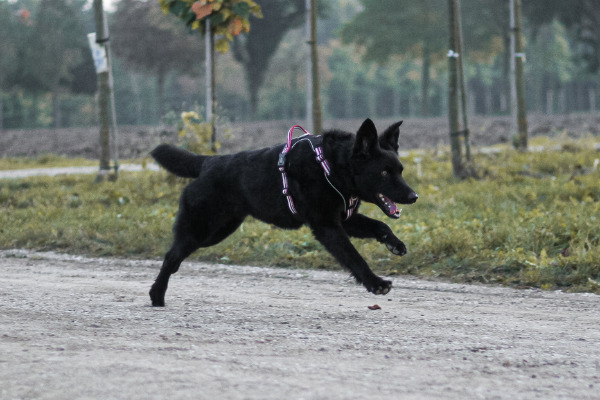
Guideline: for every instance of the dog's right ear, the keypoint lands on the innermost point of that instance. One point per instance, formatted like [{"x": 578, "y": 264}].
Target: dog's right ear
[
  {"x": 389, "y": 139},
  {"x": 366, "y": 139}
]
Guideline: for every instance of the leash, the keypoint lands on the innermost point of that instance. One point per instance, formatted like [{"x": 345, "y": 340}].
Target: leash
[{"x": 320, "y": 157}]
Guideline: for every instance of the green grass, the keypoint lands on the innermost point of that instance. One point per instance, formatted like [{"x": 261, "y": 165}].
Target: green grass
[
  {"x": 43, "y": 161},
  {"x": 532, "y": 220}
]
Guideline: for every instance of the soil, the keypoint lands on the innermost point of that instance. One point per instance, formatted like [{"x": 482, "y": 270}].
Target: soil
[
  {"x": 136, "y": 141},
  {"x": 83, "y": 328}
]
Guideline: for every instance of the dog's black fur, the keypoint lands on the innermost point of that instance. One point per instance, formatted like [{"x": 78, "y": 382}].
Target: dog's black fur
[{"x": 228, "y": 188}]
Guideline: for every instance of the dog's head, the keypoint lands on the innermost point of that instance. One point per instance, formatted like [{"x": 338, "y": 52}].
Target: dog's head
[{"x": 377, "y": 169}]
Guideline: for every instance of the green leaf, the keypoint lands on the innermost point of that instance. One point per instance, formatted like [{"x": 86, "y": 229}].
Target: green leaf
[
  {"x": 216, "y": 20},
  {"x": 222, "y": 45},
  {"x": 241, "y": 9},
  {"x": 189, "y": 17},
  {"x": 178, "y": 8}
]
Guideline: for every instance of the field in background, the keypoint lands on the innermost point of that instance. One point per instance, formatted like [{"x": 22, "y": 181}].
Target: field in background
[
  {"x": 137, "y": 141},
  {"x": 531, "y": 220}
]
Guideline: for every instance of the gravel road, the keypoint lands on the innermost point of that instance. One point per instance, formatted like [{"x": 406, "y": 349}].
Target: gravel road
[{"x": 83, "y": 328}]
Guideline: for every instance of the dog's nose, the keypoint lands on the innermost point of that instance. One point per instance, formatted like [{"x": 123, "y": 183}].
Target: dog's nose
[{"x": 413, "y": 197}]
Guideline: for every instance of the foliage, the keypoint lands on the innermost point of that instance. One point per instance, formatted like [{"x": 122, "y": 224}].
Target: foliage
[
  {"x": 531, "y": 221},
  {"x": 52, "y": 51},
  {"x": 582, "y": 15},
  {"x": 391, "y": 88},
  {"x": 256, "y": 49},
  {"x": 8, "y": 47},
  {"x": 194, "y": 134},
  {"x": 58, "y": 44},
  {"x": 228, "y": 18},
  {"x": 145, "y": 39},
  {"x": 137, "y": 27},
  {"x": 386, "y": 27}
]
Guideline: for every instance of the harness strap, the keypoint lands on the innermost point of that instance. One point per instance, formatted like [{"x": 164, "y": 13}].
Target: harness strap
[{"x": 320, "y": 157}]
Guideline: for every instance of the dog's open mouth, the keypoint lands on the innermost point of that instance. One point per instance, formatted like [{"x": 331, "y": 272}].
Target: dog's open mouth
[{"x": 388, "y": 206}]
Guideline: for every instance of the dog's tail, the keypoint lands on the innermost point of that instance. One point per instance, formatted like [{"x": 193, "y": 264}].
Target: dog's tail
[{"x": 178, "y": 161}]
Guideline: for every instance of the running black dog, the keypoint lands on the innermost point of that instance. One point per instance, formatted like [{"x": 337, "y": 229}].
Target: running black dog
[{"x": 314, "y": 180}]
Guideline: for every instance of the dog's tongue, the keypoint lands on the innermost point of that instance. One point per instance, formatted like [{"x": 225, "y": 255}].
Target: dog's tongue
[{"x": 392, "y": 209}]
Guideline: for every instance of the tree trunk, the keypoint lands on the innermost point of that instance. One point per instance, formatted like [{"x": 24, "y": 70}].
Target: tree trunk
[
  {"x": 425, "y": 80},
  {"x": 253, "y": 93},
  {"x": 457, "y": 166},
  {"x": 549, "y": 102},
  {"x": 104, "y": 124},
  {"x": 488, "y": 100},
  {"x": 160, "y": 81},
  {"x": 103, "y": 98},
  {"x": 314, "y": 60},
  {"x": 562, "y": 100},
  {"x": 135, "y": 87},
  {"x": 1, "y": 109},
  {"x": 210, "y": 84},
  {"x": 461, "y": 79},
  {"x": 518, "y": 59},
  {"x": 56, "y": 112},
  {"x": 506, "y": 70}
]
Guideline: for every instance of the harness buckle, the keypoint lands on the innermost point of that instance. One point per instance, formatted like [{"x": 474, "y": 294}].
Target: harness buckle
[{"x": 281, "y": 162}]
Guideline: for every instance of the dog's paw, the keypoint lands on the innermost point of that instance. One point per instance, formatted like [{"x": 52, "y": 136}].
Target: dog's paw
[
  {"x": 379, "y": 286},
  {"x": 158, "y": 299},
  {"x": 397, "y": 247}
]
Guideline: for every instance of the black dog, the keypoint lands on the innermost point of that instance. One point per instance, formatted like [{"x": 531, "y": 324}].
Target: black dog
[{"x": 228, "y": 188}]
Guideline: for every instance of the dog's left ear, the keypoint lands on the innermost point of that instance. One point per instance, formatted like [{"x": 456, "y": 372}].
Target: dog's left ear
[
  {"x": 389, "y": 139},
  {"x": 366, "y": 139}
]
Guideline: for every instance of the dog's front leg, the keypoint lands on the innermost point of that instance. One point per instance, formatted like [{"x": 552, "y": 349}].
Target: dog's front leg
[
  {"x": 336, "y": 241},
  {"x": 362, "y": 227}
]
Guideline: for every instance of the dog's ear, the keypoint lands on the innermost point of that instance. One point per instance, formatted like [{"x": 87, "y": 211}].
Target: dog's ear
[
  {"x": 366, "y": 139},
  {"x": 389, "y": 139}
]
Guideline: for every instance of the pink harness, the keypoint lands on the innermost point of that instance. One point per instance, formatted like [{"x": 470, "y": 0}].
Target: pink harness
[{"x": 352, "y": 202}]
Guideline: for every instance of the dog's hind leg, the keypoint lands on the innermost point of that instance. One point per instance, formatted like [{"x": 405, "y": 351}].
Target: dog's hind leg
[
  {"x": 362, "y": 227},
  {"x": 179, "y": 251},
  {"x": 336, "y": 241},
  {"x": 186, "y": 242}
]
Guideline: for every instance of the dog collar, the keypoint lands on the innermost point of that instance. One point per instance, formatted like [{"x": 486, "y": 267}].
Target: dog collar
[{"x": 320, "y": 157}]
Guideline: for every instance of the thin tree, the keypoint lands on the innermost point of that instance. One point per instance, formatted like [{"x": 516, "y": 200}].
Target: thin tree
[
  {"x": 460, "y": 167},
  {"x": 518, "y": 107},
  {"x": 457, "y": 164},
  {"x": 313, "y": 109},
  {"x": 211, "y": 98},
  {"x": 103, "y": 94},
  {"x": 226, "y": 18},
  {"x": 461, "y": 80}
]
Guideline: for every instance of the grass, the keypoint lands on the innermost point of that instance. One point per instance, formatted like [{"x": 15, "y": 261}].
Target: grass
[
  {"x": 43, "y": 161},
  {"x": 532, "y": 220}
]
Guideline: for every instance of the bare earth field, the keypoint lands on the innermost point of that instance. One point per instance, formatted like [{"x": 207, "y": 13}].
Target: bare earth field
[
  {"x": 137, "y": 141},
  {"x": 83, "y": 328}
]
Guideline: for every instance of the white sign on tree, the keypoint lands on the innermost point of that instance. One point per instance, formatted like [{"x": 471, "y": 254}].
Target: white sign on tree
[{"x": 98, "y": 54}]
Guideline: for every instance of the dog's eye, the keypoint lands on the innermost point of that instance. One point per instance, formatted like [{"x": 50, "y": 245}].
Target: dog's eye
[{"x": 384, "y": 173}]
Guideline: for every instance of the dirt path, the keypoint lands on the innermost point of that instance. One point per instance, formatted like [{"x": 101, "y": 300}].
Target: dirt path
[
  {"x": 54, "y": 171},
  {"x": 82, "y": 328}
]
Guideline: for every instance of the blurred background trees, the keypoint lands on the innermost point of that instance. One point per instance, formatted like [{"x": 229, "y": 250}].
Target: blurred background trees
[{"x": 378, "y": 58}]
